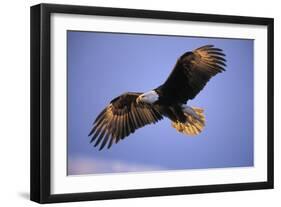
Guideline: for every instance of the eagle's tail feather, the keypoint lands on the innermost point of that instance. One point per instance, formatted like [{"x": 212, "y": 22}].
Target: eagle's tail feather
[{"x": 193, "y": 125}]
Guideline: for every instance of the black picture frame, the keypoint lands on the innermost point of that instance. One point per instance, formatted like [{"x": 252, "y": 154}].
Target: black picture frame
[{"x": 41, "y": 95}]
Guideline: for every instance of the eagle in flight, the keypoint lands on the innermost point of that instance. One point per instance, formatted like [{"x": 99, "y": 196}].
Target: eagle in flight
[{"x": 133, "y": 110}]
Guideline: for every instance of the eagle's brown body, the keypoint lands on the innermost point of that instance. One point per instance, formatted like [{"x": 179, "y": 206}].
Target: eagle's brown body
[{"x": 131, "y": 111}]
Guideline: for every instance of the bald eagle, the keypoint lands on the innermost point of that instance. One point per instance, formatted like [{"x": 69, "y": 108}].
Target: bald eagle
[{"x": 133, "y": 110}]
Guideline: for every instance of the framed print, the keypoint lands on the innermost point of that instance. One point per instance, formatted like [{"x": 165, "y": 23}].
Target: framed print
[{"x": 133, "y": 103}]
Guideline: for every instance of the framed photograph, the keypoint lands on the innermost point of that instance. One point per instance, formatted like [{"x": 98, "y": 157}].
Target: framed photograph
[{"x": 133, "y": 103}]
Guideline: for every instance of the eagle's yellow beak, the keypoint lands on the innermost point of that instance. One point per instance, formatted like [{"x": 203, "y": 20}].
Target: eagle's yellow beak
[{"x": 138, "y": 100}]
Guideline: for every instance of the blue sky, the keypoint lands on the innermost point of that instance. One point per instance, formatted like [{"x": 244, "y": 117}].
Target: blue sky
[{"x": 102, "y": 66}]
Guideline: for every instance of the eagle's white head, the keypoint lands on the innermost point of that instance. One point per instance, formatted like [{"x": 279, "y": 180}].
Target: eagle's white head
[{"x": 149, "y": 97}]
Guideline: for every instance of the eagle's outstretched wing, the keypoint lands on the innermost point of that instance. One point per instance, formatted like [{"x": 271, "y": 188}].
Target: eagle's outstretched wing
[
  {"x": 122, "y": 117},
  {"x": 192, "y": 71}
]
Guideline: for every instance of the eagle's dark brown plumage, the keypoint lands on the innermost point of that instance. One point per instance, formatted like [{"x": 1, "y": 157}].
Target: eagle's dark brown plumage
[{"x": 131, "y": 111}]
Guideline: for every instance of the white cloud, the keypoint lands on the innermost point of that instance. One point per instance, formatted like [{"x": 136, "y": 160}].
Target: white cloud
[{"x": 87, "y": 165}]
